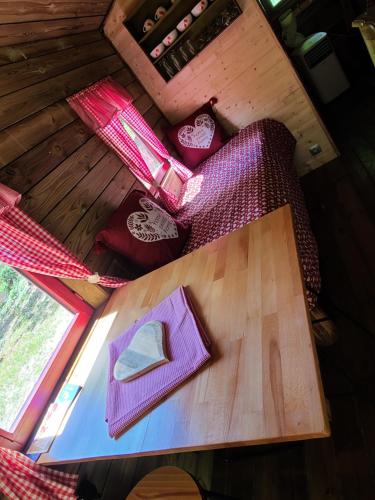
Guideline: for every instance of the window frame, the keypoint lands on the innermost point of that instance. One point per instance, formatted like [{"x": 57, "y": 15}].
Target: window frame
[
  {"x": 160, "y": 173},
  {"x": 39, "y": 398}
]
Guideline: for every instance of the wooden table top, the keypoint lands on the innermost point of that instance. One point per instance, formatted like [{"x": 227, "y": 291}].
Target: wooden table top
[
  {"x": 166, "y": 483},
  {"x": 263, "y": 384}
]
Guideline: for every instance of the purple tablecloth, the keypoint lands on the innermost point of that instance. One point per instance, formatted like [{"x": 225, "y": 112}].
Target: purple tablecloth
[{"x": 187, "y": 351}]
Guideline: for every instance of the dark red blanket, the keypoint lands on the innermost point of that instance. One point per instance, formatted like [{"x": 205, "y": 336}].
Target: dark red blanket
[{"x": 250, "y": 176}]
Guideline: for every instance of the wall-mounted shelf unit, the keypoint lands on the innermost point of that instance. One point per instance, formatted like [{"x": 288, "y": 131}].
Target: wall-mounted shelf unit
[{"x": 212, "y": 21}]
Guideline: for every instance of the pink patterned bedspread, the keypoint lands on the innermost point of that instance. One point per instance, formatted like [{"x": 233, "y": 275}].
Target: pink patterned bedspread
[{"x": 250, "y": 176}]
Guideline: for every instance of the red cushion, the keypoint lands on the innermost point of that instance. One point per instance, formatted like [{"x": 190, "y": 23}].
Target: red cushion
[
  {"x": 198, "y": 136},
  {"x": 144, "y": 232}
]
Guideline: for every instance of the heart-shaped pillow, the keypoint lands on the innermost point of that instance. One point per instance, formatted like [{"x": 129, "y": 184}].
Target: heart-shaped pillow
[
  {"x": 154, "y": 224},
  {"x": 200, "y": 135},
  {"x": 143, "y": 232}
]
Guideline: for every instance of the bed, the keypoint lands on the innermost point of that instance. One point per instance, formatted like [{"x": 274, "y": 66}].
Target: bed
[{"x": 250, "y": 176}]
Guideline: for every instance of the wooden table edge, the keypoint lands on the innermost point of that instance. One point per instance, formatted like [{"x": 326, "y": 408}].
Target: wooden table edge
[{"x": 325, "y": 433}]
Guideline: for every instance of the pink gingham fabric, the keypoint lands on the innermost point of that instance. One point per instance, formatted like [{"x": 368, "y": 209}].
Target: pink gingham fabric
[
  {"x": 100, "y": 107},
  {"x": 187, "y": 348},
  {"x": 22, "y": 479},
  {"x": 24, "y": 244}
]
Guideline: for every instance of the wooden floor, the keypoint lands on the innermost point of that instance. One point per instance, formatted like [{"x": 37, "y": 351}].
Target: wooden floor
[{"x": 341, "y": 201}]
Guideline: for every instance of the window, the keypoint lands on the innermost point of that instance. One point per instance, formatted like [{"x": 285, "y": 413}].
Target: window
[
  {"x": 155, "y": 163},
  {"x": 41, "y": 322}
]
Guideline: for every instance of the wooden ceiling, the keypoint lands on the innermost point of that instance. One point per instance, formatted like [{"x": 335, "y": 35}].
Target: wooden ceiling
[{"x": 29, "y": 20}]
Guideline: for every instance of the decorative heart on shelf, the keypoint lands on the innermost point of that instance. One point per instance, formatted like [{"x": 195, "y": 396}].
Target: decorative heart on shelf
[
  {"x": 145, "y": 352},
  {"x": 200, "y": 136},
  {"x": 154, "y": 224}
]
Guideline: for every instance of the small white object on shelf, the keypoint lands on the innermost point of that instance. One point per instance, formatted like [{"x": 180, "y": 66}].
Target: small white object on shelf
[
  {"x": 170, "y": 38},
  {"x": 157, "y": 51},
  {"x": 160, "y": 12},
  {"x": 185, "y": 23},
  {"x": 199, "y": 8},
  {"x": 145, "y": 352},
  {"x": 148, "y": 25}
]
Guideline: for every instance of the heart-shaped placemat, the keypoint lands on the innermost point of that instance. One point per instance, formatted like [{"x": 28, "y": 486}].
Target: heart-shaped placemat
[{"x": 145, "y": 352}]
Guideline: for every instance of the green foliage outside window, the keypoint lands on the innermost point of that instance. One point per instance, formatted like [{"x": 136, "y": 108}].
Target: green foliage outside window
[{"x": 31, "y": 326}]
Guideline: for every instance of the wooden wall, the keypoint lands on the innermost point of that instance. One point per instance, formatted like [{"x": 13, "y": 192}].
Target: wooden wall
[
  {"x": 69, "y": 179},
  {"x": 27, "y": 21},
  {"x": 245, "y": 67}
]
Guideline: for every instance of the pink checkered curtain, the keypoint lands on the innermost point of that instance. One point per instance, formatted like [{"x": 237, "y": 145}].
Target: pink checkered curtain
[
  {"x": 103, "y": 106},
  {"x": 22, "y": 479},
  {"x": 24, "y": 244}
]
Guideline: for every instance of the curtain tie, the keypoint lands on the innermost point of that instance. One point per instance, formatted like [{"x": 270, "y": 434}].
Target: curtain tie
[{"x": 94, "y": 279}]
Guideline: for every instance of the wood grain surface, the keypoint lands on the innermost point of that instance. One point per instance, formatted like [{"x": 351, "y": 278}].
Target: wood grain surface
[
  {"x": 29, "y": 100},
  {"x": 245, "y": 67},
  {"x": 341, "y": 202},
  {"x": 24, "y": 21},
  {"x": 69, "y": 180},
  {"x": 164, "y": 483},
  {"x": 24, "y": 51},
  {"x": 13, "y": 34},
  {"x": 16, "y": 11},
  {"x": 263, "y": 384},
  {"x": 25, "y": 73}
]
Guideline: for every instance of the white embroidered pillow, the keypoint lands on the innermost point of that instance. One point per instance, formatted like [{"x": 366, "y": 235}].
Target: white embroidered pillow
[
  {"x": 152, "y": 224},
  {"x": 200, "y": 135}
]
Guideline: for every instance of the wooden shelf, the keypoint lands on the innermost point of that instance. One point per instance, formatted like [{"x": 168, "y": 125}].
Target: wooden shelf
[
  {"x": 136, "y": 10},
  {"x": 168, "y": 23},
  {"x": 161, "y": 21},
  {"x": 176, "y": 12},
  {"x": 181, "y": 37},
  {"x": 145, "y": 10},
  {"x": 201, "y": 21}
]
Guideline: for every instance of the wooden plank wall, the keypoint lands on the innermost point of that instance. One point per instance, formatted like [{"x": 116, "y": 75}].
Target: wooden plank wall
[
  {"x": 27, "y": 21},
  {"x": 245, "y": 67},
  {"x": 69, "y": 179}
]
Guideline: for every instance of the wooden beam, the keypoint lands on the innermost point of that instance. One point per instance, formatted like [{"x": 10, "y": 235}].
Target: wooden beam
[
  {"x": 25, "y": 51},
  {"x": 80, "y": 240},
  {"x": 124, "y": 76},
  {"x": 18, "y": 105},
  {"x": 41, "y": 199},
  {"x": 20, "y": 138},
  {"x": 16, "y": 11},
  {"x": 72, "y": 207},
  {"x": 152, "y": 116},
  {"x": 11, "y": 34},
  {"x": 25, "y": 73},
  {"x": 143, "y": 103},
  {"x": 23, "y": 173}
]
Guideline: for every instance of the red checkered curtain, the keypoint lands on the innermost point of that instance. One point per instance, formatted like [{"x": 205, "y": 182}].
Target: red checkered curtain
[
  {"x": 105, "y": 107},
  {"x": 24, "y": 244},
  {"x": 22, "y": 479}
]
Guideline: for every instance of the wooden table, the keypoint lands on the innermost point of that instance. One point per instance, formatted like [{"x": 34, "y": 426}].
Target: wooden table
[
  {"x": 166, "y": 483},
  {"x": 263, "y": 385}
]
